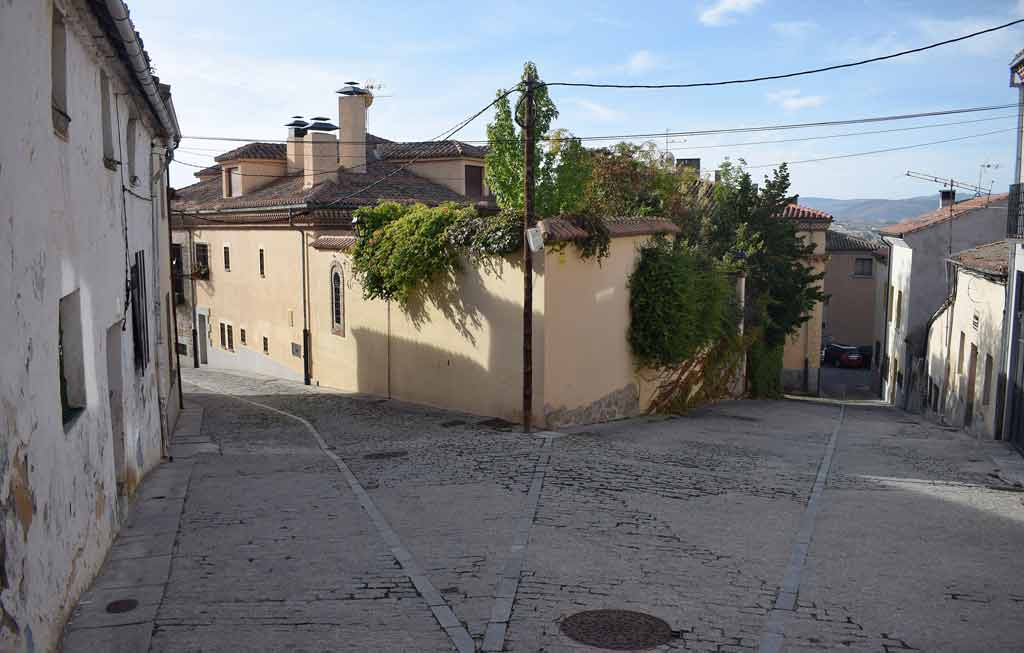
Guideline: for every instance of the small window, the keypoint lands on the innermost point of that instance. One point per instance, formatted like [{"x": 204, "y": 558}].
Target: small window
[
  {"x": 960, "y": 356},
  {"x": 59, "y": 74},
  {"x": 129, "y": 147},
  {"x": 107, "y": 126},
  {"x": 263, "y": 268},
  {"x": 863, "y": 267},
  {"x": 337, "y": 302},
  {"x": 70, "y": 359},
  {"x": 232, "y": 182},
  {"x": 202, "y": 269},
  {"x": 899, "y": 309},
  {"x": 231, "y": 339},
  {"x": 223, "y": 336},
  {"x": 975, "y": 322},
  {"x": 140, "y": 319},
  {"x": 291, "y": 317},
  {"x": 241, "y": 336},
  {"x": 986, "y": 388},
  {"x": 474, "y": 182},
  {"x": 266, "y": 346},
  {"x": 227, "y": 258}
]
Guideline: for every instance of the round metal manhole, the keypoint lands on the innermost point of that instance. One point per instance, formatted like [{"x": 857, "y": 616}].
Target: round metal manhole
[
  {"x": 122, "y": 605},
  {"x": 617, "y": 630},
  {"x": 384, "y": 455}
]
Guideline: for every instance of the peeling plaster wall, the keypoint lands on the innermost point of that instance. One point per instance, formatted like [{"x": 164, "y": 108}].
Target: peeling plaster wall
[
  {"x": 896, "y": 362},
  {"x": 61, "y": 230}
]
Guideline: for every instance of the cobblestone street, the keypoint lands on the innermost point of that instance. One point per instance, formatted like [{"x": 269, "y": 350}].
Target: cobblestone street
[{"x": 300, "y": 519}]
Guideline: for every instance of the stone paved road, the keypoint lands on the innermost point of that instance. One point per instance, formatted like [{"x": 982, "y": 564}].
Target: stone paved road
[{"x": 451, "y": 529}]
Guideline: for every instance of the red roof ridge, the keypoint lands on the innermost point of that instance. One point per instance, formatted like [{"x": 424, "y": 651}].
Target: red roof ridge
[{"x": 941, "y": 215}]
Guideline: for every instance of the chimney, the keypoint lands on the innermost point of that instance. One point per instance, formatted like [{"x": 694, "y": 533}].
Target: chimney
[
  {"x": 946, "y": 197},
  {"x": 320, "y": 158},
  {"x": 796, "y": 199},
  {"x": 352, "y": 105},
  {"x": 296, "y": 147}
]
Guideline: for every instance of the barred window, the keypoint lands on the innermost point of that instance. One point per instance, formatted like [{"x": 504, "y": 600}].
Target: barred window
[{"x": 337, "y": 302}]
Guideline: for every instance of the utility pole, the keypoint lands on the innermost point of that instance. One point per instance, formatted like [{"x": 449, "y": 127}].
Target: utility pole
[{"x": 528, "y": 220}]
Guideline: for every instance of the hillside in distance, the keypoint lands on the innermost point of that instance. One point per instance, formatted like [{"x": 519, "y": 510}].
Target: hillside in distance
[{"x": 873, "y": 212}]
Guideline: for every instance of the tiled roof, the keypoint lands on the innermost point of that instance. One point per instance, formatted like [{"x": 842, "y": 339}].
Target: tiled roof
[
  {"x": 430, "y": 150},
  {"x": 563, "y": 229},
  {"x": 992, "y": 258},
  {"x": 797, "y": 212},
  {"x": 334, "y": 243},
  {"x": 254, "y": 151},
  {"x": 208, "y": 172},
  {"x": 940, "y": 215},
  {"x": 838, "y": 241},
  {"x": 397, "y": 185}
]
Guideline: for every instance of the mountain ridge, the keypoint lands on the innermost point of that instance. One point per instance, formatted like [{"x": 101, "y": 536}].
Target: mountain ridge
[{"x": 871, "y": 211}]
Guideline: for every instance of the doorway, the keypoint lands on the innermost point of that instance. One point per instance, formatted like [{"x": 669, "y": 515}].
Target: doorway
[
  {"x": 201, "y": 336},
  {"x": 972, "y": 369},
  {"x": 115, "y": 397}
]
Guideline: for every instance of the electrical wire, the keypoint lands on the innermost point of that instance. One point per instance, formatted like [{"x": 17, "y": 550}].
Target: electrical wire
[
  {"x": 702, "y": 132},
  {"x": 887, "y": 149},
  {"x": 812, "y": 71}
]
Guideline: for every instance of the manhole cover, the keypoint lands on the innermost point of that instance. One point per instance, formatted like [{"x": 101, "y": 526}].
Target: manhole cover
[
  {"x": 619, "y": 630},
  {"x": 383, "y": 455},
  {"x": 122, "y": 605}
]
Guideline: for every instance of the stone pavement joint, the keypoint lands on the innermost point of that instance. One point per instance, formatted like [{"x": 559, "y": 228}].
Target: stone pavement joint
[
  {"x": 442, "y": 612},
  {"x": 771, "y": 638}
]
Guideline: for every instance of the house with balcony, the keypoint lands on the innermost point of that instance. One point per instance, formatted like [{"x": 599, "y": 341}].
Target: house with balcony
[{"x": 89, "y": 388}]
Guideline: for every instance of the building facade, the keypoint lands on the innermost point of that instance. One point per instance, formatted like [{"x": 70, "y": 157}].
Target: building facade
[
  {"x": 850, "y": 283},
  {"x": 88, "y": 387},
  {"x": 965, "y": 343}
]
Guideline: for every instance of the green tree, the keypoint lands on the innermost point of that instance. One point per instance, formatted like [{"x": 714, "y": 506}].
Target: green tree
[{"x": 562, "y": 164}]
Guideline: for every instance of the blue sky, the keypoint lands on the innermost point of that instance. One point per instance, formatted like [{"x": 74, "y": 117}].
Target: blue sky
[{"x": 241, "y": 69}]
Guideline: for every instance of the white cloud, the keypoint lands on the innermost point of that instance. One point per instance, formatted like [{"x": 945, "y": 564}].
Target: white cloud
[
  {"x": 637, "y": 63},
  {"x": 597, "y": 111},
  {"x": 792, "y": 100},
  {"x": 641, "y": 62},
  {"x": 722, "y": 12},
  {"x": 796, "y": 29}
]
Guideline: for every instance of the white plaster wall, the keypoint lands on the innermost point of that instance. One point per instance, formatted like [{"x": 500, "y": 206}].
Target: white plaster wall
[
  {"x": 1011, "y": 350},
  {"x": 895, "y": 357},
  {"x": 931, "y": 249},
  {"x": 61, "y": 230}
]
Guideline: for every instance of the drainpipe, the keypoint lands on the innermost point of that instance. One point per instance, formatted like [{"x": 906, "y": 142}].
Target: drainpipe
[
  {"x": 176, "y": 365},
  {"x": 306, "y": 371},
  {"x": 944, "y": 396},
  {"x": 192, "y": 286}
]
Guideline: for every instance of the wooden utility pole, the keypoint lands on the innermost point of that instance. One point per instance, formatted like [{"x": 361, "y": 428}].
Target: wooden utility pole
[{"x": 528, "y": 220}]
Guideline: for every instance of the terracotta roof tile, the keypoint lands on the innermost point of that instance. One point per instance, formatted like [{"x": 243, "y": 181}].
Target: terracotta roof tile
[
  {"x": 838, "y": 241},
  {"x": 940, "y": 215},
  {"x": 208, "y": 172},
  {"x": 254, "y": 151},
  {"x": 430, "y": 150},
  {"x": 992, "y": 258},
  {"x": 334, "y": 243},
  {"x": 562, "y": 229},
  {"x": 797, "y": 212}
]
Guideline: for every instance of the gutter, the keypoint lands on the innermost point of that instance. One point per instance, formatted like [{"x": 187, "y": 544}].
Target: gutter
[{"x": 140, "y": 67}]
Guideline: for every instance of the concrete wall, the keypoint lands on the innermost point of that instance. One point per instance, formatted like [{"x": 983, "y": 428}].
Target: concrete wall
[
  {"x": 61, "y": 229},
  {"x": 895, "y": 364},
  {"x": 949, "y": 369},
  {"x": 932, "y": 247},
  {"x": 805, "y": 344},
  {"x": 848, "y": 316}
]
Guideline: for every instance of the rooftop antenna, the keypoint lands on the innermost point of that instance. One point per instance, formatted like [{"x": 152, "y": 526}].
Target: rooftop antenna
[{"x": 981, "y": 169}]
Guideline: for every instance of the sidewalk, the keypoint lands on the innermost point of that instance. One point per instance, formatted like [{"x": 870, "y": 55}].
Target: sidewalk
[{"x": 119, "y": 611}]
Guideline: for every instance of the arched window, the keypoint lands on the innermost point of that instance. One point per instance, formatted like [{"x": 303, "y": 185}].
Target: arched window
[{"x": 337, "y": 302}]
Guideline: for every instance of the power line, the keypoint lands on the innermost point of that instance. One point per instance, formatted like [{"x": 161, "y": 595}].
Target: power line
[
  {"x": 811, "y": 71},
  {"x": 827, "y": 136},
  {"x": 888, "y": 149},
  {"x": 703, "y": 132}
]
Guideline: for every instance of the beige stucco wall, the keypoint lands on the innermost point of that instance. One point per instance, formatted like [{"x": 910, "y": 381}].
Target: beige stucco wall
[
  {"x": 254, "y": 173},
  {"x": 805, "y": 344},
  {"x": 447, "y": 172},
  {"x": 269, "y": 306},
  {"x": 458, "y": 350},
  {"x": 975, "y": 296},
  {"x": 849, "y": 316},
  {"x": 589, "y": 371}
]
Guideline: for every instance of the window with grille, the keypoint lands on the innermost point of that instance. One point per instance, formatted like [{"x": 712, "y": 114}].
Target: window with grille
[
  {"x": 223, "y": 336},
  {"x": 202, "y": 266},
  {"x": 337, "y": 302},
  {"x": 863, "y": 267},
  {"x": 241, "y": 336},
  {"x": 266, "y": 345},
  {"x": 263, "y": 266},
  {"x": 231, "y": 339}
]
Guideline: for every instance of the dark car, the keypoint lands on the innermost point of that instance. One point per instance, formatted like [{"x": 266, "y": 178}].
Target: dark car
[{"x": 844, "y": 356}]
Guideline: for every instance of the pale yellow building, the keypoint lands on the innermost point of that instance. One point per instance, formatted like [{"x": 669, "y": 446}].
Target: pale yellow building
[{"x": 850, "y": 280}]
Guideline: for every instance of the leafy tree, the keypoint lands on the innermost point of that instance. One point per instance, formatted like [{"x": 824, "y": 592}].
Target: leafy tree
[{"x": 562, "y": 164}]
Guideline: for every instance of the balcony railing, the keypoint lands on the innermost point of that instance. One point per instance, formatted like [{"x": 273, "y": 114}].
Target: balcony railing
[{"x": 1015, "y": 212}]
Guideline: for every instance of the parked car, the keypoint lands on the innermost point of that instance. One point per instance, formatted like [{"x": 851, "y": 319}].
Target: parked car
[{"x": 844, "y": 356}]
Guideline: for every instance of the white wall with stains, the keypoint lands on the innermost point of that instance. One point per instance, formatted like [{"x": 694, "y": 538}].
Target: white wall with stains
[{"x": 62, "y": 230}]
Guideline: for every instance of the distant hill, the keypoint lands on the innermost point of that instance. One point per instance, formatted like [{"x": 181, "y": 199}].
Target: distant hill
[{"x": 872, "y": 211}]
